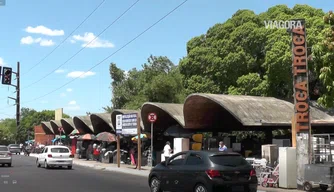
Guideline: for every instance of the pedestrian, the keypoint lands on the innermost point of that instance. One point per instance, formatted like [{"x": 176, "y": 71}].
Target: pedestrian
[
  {"x": 222, "y": 147},
  {"x": 167, "y": 151}
]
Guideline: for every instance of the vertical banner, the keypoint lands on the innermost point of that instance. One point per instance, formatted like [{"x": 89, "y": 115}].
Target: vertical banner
[{"x": 301, "y": 99}]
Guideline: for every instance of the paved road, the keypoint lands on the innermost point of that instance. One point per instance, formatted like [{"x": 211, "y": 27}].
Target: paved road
[{"x": 25, "y": 176}]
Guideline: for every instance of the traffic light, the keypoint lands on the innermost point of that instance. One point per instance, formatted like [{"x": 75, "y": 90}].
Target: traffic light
[
  {"x": 196, "y": 143},
  {"x": 7, "y": 76}
]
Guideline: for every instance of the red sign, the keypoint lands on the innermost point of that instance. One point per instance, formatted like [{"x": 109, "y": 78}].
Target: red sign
[{"x": 152, "y": 117}]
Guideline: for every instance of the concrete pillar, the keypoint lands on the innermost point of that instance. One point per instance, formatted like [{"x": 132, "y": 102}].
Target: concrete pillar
[{"x": 302, "y": 153}]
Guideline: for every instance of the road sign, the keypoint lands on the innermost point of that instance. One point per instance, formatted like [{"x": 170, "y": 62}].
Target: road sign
[
  {"x": 152, "y": 117},
  {"x": 129, "y": 124}
]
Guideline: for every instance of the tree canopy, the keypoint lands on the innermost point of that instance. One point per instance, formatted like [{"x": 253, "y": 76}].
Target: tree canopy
[
  {"x": 240, "y": 57},
  {"x": 29, "y": 118}
]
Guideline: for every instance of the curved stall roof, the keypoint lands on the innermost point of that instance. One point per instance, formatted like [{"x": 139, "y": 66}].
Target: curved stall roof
[
  {"x": 68, "y": 125},
  {"x": 83, "y": 124},
  {"x": 46, "y": 126},
  {"x": 232, "y": 112},
  {"x": 102, "y": 122},
  {"x": 168, "y": 114},
  {"x": 55, "y": 124}
]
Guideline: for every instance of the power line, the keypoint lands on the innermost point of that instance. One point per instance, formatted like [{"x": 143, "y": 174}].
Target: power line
[
  {"x": 128, "y": 9},
  {"x": 66, "y": 37},
  {"x": 136, "y": 37}
]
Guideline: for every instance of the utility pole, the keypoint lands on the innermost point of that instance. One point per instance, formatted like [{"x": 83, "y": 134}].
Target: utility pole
[{"x": 17, "y": 99}]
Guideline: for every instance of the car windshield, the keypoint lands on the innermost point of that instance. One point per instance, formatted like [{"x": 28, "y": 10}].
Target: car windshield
[
  {"x": 3, "y": 149},
  {"x": 14, "y": 146},
  {"x": 229, "y": 160},
  {"x": 59, "y": 150}
]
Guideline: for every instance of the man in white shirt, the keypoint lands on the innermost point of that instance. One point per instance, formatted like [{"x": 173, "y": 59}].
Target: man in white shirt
[{"x": 167, "y": 150}]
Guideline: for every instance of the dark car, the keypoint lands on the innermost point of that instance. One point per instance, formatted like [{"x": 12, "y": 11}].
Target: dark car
[
  {"x": 14, "y": 148},
  {"x": 203, "y": 171}
]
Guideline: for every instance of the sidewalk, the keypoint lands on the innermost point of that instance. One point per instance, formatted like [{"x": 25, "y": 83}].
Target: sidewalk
[
  {"x": 127, "y": 169},
  {"x": 271, "y": 189}
]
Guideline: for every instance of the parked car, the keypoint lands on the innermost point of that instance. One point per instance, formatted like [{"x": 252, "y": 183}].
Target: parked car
[
  {"x": 55, "y": 156},
  {"x": 5, "y": 156},
  {"x": 14, "y": 148},
  {"x": 205, "y": 171}
]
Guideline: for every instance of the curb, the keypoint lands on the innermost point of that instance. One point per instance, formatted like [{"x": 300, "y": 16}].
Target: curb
[
  {"x": 111, "y": 169},
  {"x": 114, "y": 169}
]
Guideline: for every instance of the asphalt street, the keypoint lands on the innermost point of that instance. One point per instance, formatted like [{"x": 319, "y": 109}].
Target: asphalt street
[{"x": 24, "y": 176}]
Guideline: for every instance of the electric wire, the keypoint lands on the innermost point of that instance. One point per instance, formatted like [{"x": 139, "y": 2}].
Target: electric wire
[
  {"x": 65, "y": 38},
  {"x": 125, "y": 45},
  {"x": 127, "y": 10}
]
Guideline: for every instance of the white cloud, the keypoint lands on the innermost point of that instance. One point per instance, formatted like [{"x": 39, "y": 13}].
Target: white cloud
[
  {"x": 42, "y": 42},
  {"x": 80, "y": 74},
  {"x": 69, "y": 90},
  {"x": 72, "y": 102},
  {"x": 72, "y": 108},
  {"x": 43, "y": 101},
  {"x": 62, "y": 95},
  {"x": 89, "y": 40},
  {"x": 72, "y": 41},
  {"x": 60, "y": 71},
  {"x": 44, "y": 31}
]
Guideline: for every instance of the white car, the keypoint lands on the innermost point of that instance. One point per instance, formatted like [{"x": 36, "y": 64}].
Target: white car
[
  {"x": 5, "y": 156},
  {"x": 55, "y": 156}
]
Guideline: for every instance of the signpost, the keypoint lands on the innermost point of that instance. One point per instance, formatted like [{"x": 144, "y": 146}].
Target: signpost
[
  {"x": 301, "y": 119},
  {"x": 152, "y": 118},
  {"x": 118, "y": 132}
]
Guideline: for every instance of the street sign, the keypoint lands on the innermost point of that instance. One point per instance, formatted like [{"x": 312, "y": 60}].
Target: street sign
[
  {"x": 152, "y": 117},
  {"x": 129, "y": 124},
  {"x": 118, "y": 124}
]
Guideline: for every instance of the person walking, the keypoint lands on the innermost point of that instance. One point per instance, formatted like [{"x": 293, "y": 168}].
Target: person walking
[
  {"x": 222, "y": 147},
  {"x": 167, "y": 151}
]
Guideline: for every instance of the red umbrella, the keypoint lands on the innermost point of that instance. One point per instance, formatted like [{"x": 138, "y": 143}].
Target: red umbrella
[
  {"x": 106, "y": 136},
  {"x": 87, "y": 137}
]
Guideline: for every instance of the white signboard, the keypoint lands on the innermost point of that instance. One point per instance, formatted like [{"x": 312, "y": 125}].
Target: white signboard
[
  {"x": 118, "y": 124},
  {"x": 129, "y": 124}
]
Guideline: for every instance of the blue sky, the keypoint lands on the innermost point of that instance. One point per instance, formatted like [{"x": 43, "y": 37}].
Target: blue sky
[{"x": 31, "y": 29}]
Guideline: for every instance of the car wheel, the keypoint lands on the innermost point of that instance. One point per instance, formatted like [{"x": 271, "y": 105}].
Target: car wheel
[
  {"x": 308, "y": 186},
  {"x": 9, "y": 164},
  {"x": 200, "y": 188},
  {"x": 38, "y": 165},
  {"x": 155, "y": 185},
  {"x": 69, "y": 167},
  {"x": 46, "y": 166}
]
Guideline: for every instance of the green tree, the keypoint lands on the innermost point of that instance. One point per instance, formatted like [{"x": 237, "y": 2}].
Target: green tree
[
  {"x": 242, "y": 56},
  {"x": 31, "y": 118},
  {"x": 158, "y": 81},
  {"x": 323, "y": 57},
  {"x": 7, "y": 130}
]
